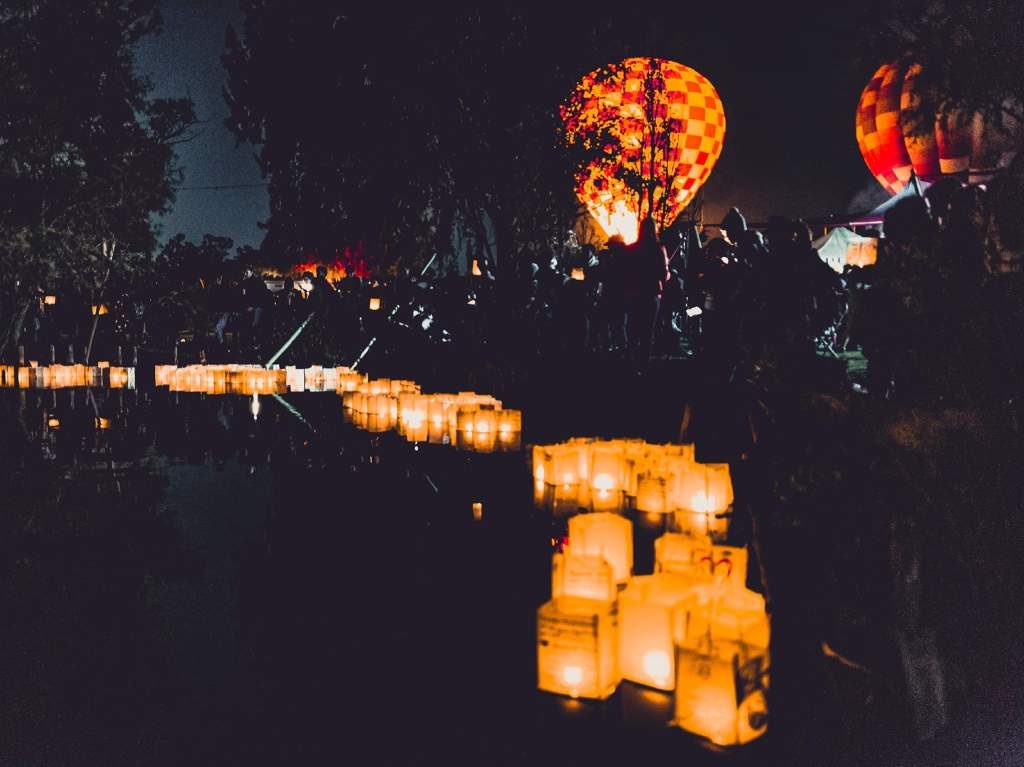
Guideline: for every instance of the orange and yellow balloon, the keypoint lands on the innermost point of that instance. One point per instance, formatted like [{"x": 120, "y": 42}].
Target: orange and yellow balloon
[
  {"x": 951, "y": 144},
  {"x": 650, "y": 131}
]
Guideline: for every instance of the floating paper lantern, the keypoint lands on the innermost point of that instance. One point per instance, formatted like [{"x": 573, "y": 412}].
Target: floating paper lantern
[
  {"x": 650, "y": 131},
  {"x": 576, "y": 648},
  {"x": 675, "y": 553},
  {"x": 652, "y": 619},
  {"x": 722, "y": 670},
  {"x": 582, "y": 576},
  {"x": 606, "y": 535}
]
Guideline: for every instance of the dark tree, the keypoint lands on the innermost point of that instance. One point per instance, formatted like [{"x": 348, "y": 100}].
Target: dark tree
[
  {"x": 390, "y": 129},
  {"x": 86, "y": 153}
]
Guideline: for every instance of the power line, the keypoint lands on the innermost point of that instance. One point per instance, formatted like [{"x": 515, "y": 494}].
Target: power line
[{"x": 221, "y": 186}]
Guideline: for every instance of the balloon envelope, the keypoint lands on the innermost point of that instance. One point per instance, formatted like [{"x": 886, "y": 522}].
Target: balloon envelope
[
  {"x": 894, "y": 146},
  {"x": 650, "y": 131}
]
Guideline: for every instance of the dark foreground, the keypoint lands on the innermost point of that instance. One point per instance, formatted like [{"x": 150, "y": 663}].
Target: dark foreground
[{"x": 268, "y": 592}]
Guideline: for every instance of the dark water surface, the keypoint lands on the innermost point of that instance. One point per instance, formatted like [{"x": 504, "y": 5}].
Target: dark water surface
[{"x": 193, "y": 585}]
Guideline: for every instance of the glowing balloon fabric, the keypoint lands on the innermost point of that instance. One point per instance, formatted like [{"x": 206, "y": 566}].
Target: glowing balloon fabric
[
  {"x": 649, "y": 131},
  {"x": 956, "y": 144}
]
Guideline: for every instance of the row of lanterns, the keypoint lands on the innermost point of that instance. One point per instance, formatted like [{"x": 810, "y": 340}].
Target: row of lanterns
[
  {"x": 255, "y": 379},
  {"x": 36, "y": 376},
  {"x": 630, "y": 474},
  {"x": 691, "y": 627},
  {"x": 467, "y": 420}
]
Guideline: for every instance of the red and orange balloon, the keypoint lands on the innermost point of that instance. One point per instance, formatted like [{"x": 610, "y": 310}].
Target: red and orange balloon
[
  {"x": 893, "y": 147},
  {"x": 652, "y": 130}
]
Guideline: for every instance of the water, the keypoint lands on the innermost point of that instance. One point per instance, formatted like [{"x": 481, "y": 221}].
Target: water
[{"x": 193, "y": 584}]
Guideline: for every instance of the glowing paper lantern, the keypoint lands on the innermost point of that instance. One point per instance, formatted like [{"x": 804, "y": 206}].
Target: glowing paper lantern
[
  {"x": 50, "y": 300},
  {"x": 674, "y": 553},
  {"x": 576, "y": 648},
  {"x": 722, "y": 670},
  {"x": 53, "y": 423},
  {"x": 606, "y": 535},
  {"x": 652, "y": 619},
  {"x": 703, "y": 492},
  {"x": 582, "y": 576},
  {"x": 956, "y": 144},
  {"x": 374, "y": 304},
  {"x": 650, "y": 130},
  {"x": 577, "y": 273}
]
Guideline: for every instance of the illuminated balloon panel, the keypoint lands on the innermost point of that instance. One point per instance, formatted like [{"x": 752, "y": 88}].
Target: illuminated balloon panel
[
  {"x": 894, "y": 147},
  {"x": 651, "y": 131}
]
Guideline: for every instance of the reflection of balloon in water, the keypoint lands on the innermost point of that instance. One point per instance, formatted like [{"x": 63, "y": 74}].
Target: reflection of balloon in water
[
  {"x": 650, "y": 130},
  {"x": 955, "y": 144}
]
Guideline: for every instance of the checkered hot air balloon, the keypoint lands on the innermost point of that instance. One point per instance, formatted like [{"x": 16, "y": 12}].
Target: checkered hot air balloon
[
  {"x": 893, "y": 146},
  {"x": 647, "y": 132}
]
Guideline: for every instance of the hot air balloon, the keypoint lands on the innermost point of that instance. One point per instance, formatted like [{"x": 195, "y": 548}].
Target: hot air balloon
[
  {"x": 648, "y": 132},
  {"x": 893, "y": 146}
]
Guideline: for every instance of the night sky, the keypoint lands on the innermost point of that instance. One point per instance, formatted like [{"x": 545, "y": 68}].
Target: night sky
[{"x": 789, "y": 76}]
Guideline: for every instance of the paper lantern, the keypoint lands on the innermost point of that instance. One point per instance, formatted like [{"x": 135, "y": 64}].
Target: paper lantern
[
  {"x": 49, "y": 300},
  {"x": 650, "y": 131},
  {"x": 478, "y": 511},
  {"x": 703, "y": 493},
  {"x": 674, "y": 553},
  {"x": 374, "y": 304},
  {"x": 722, "y": 670},
  {"x": 102, "y": 423},
  {"x": 650, "y": 495},
  {"x": 582, "y": 576},
  {"x": 607, "y": 474},
  {"x": 475, "y": 269},
  {"x": 652, "y": 619},
  {"x": 24, "y": 378},
  {"x": 576, "y": 648},
  {"x": 726, "y": 565},
  {"x": 53, "y": 423},
  {"x": 607, "y": 535},
  {"x": 97, "y": 310},
  {"x": 577, "y": 273},
  {"x": 7, "y": 377}
]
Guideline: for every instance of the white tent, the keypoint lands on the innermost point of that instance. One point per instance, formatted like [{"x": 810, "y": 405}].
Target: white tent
[{"x": 842, "y": 246}]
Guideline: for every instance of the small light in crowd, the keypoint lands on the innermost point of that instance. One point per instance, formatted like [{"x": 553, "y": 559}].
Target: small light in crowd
[
  {"x": 478, "y": 510},
  {"x": 725, "y": 260},
  {"x": 476, "y": 269},
  {"x": 53, "y": 423},
  {"x": 694, "y": 311},
  {"x": 49, "y": 300},
  {"x": 471, "y": 302},
  {"x": 101, "y": 309},
  {"x": 102, "y": 423},
  {"x": 577, "y": 273},
  {"x": 255, "y": 406},
  {"x": 374, "y": 304}
]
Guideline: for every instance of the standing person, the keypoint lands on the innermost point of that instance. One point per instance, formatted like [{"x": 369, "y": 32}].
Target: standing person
[
  {"x": 612, "y": 302},
  {"x": 646, "y": 273}
]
